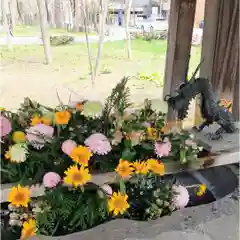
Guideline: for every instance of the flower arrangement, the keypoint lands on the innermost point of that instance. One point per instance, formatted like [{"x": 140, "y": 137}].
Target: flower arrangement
[{"x": 62, "y": 148}]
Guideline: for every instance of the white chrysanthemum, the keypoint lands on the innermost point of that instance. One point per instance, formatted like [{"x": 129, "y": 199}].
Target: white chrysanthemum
[
  {"x": 92, "y": 109},
  {"x": 18, "y": 153}
]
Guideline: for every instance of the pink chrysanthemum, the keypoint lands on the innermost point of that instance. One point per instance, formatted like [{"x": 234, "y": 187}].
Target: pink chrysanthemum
[
  {"x": 162, "y": 149},
  {"x": 39, "y": 134},
  {"x": 51, "y": 179},
  {"x": 5, "y": 126},
  {"x": 98, "y": 144},
  {"x": 181, "y": 197},
  {"x": 68, "y": 146}
]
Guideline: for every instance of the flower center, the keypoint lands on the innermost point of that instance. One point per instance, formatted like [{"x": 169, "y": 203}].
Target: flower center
[
  {"x": 19, "y": 197},
  {"x": 77, "y": 177},
  {"x": 123, "y": 169},
  {"x": 119, "y": 203}
]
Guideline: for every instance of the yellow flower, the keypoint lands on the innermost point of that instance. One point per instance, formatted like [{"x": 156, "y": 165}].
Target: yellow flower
[
  {"x": 152, "y": 133},
  {"x": 202, "y": 189},
  {"x": 35, "y": 120},
  {"x": 118, "y": 203},
  {"x": 19, "y": 196},
  {"x": 46, "y": 120},
  {"x": 29, "y": 229},
  {"x": 77, "y": 177},
  {"x": 156, "y": 167},
  {"x": 19, "y": 137},
  {"x": 2, "y": 109},
  {"x": 124, "y": 168},
  {"x": 81, "y": 155},
  {"x": 41, "y": 120},
  {"x": 141, "y": 167},
  {"x": 62, "y": 118},
  {"x": 7, "y": 155}
]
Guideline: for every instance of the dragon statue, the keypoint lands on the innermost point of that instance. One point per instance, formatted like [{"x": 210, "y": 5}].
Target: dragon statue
[{"x": 211, "y": 111}]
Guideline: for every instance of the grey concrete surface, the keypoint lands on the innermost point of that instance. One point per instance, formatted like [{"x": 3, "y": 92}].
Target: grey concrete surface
[{"x": 215, "y": 221}]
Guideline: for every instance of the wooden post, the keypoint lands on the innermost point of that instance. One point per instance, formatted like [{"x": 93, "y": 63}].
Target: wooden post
[
  {"x": 209, "y": 37},
  {"x": 208, "y": 49},
  {"x": 181, "y": 21}
]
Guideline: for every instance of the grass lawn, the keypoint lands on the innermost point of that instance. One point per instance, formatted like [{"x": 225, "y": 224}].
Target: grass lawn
[
  {"x": 23, "y": 72},
  {"x": 31, "y": 31}
]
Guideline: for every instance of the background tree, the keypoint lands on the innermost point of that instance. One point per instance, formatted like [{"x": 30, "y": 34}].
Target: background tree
[
  {"x": 44, "y": 31},
  {"x": 5, "y": 10},
  {"x": 127, "y": 14},
  {"x": 102, "y": 23},
  {"x": 84, "y": 13}
]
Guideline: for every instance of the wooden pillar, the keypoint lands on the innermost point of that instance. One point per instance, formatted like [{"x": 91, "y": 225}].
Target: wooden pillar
[
  {"x": 209, "y": 37},
  {"x": 208, "y": 50},
  {"x": 181, "y": 21}
]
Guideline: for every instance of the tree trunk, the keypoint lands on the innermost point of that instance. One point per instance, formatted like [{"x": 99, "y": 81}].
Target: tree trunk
[
  {"x": 127, "y": 20},
  {"x": 77, "y": 18},
  {"x": 44, "y": 30},
  {"x": 84, "y": 13},
  {"x": 19, "y": 10},
  {"x": 6, "y": 24},
  {"x": 103, "y": 16},
  {"x": 59, "y": 14}
]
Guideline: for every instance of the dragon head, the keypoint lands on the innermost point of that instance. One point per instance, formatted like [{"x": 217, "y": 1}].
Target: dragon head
[{"x": 179, "y": 104}]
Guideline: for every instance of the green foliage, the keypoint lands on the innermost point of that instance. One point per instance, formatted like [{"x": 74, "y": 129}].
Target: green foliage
[
  {"x": 61, "y": 40},
  {"x": 118, "y": 100},
  {"x": 146, "y": 36},
  {"x": 184, "y": 149},
  {"x": 149, "y": 197},
  {"x": 66, "y": 211},
  {"x": 152, "y": 77}
]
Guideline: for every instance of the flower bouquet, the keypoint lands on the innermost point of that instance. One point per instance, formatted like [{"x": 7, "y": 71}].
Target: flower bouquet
[{"x": 63, "y": 148}]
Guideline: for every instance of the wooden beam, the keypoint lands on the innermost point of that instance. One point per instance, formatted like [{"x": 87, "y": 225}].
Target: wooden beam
[{"x": 181, "y": 21}]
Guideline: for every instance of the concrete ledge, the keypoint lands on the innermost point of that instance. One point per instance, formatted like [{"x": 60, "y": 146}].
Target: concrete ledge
[{"x": 170, "y": 168}]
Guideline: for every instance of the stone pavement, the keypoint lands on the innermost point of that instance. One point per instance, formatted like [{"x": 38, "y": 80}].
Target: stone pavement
[{"x": 215, "y": 221}]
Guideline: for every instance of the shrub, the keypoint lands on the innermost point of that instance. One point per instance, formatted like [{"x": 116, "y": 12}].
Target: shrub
[{"x": 61, "y": 40}]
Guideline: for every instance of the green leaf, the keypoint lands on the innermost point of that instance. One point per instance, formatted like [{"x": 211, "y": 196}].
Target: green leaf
[
  {"x": 122, "y": 187},
  {"x": 129, "y": 155}
]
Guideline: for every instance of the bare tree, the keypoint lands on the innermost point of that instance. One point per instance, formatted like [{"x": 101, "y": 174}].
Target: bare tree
[
  {"x": 77, "y": 14},
  {"x": 6, "y": 24},
  {"x": 44, "y": 30},
  {"x": 127, "y": 14},
  {"x": 102, "y": 22},
  {"x": 84, "y": 13},
  {"x": 58, "y": 5}
]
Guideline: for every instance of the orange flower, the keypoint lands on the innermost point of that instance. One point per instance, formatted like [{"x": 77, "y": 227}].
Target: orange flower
[
  {"x": 40, "y": 120},
  {"x": 141, "y": 167},
  {"x": 7, "y": 155},
  {"x": 36, "y": 120},
  {"x": 46, "y": 121},
  {"x": 62, "y": 118},
  {"x": 156, "y": 167},
  {"x": 81, "y": 155},
  {"x": 79, "y": 106},
  {"x": 124, "y": 168}
]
